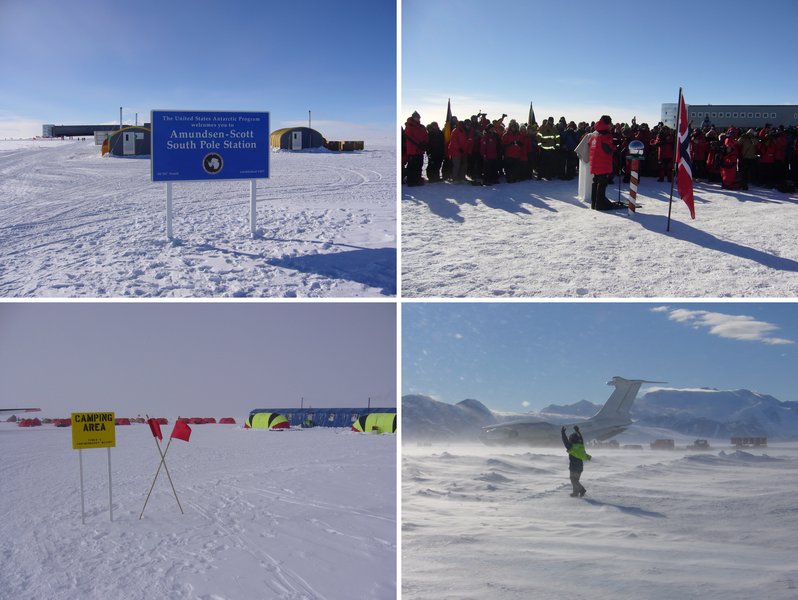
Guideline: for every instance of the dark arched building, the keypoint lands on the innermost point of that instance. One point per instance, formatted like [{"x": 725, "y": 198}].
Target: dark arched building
[{"x": 130, "y": 141}]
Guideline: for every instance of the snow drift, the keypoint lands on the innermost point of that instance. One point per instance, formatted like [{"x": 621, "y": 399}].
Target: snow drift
[{"x": 482, "y": 523}]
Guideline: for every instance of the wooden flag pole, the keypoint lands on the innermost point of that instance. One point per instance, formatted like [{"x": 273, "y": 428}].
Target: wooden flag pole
[{"x": 675, "y": 152}]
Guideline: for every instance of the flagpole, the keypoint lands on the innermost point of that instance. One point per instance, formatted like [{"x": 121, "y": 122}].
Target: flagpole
[
  {"x": 156, "y": 478},
  {"x": 166, "y": 468},
  {"x": 675, "y": 148}
]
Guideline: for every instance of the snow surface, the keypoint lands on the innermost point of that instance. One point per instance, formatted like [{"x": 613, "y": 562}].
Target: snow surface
[
  {"x": 480, "y": 522},
  {"x": 536, "y": 239},
  {"x": 75, "y": 224},
  {"x": 298, "y": 514}
]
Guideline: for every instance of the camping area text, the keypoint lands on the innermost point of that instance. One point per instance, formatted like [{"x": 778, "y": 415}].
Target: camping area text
[{"x": 93, "y": 430}]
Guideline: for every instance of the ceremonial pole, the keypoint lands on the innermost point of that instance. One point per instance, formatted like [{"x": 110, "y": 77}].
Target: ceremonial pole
[{"x": 675, "y": 147}]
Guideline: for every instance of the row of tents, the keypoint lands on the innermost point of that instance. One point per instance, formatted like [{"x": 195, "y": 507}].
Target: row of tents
[
  {"x": 126, "y": 421},
  {"x": 380, "y": 420}
]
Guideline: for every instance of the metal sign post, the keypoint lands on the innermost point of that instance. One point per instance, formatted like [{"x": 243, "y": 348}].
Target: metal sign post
[
  {"x": 206, "y": 146},
  {"x": 110, "y": 488},
  {"x": 82, "y": 503},
  {"x": 253, "y": 186},
  {"x": 94, "y": 430},
  {"x": 169, "y": 209}
]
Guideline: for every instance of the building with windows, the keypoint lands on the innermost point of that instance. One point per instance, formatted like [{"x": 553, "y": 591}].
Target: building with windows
[
  {"x": 734, "y": 115},
  {"x": 67, "y": 131}
]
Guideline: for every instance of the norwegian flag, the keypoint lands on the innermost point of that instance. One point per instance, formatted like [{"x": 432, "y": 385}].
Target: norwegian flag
[{"x": 684, "y": 171}]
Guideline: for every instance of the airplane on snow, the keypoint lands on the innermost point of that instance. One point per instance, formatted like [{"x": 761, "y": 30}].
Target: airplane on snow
[{"x": 612, "y": 419}]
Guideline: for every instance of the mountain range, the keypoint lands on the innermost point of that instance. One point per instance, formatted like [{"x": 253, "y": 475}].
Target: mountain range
[{"x": 701, "y": 413}]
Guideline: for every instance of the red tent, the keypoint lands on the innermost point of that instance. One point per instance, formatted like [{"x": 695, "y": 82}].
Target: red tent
[
  {"x": 29, "y": 423},
  {"x": 227, "y": 421},
  {"x": 121, "y": 421}
]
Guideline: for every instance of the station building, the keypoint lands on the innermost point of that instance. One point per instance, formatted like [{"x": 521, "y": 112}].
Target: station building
[
  {"x": 743, "y": 116},
  {"x": 58, "y": 131}
]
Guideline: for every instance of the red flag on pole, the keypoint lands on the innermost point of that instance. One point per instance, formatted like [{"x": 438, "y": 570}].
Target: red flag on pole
[
  {"x": 684, "y": 172},
  {"x": 181, "y": 431},
  {"x": 155, "y": 427}
]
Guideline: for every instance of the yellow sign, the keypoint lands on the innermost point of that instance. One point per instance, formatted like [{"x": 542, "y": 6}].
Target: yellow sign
[{"x": 93, "y": 430}]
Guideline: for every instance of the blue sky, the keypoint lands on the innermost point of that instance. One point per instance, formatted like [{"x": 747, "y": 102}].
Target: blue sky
[
  {"x": 197, "y": 358},
  {"x": 581, "y": 58},
  {"x": 524, "y": 356},
  {"x": 78, "y": 62}
]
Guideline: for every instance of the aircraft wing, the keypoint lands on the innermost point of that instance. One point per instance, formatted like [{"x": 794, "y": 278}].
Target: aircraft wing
[{"x": 19, "y": 410}]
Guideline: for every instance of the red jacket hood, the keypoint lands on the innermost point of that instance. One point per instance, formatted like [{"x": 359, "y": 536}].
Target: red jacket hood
[{"x": 601, "y": 126}]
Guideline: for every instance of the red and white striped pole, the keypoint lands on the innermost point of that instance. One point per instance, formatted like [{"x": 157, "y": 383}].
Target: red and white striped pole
[
  {"x": 636, "y": 154},
  {"x": 634, "y": 179}
]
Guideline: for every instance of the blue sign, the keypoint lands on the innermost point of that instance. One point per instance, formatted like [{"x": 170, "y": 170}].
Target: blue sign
[{"x": 203, "y": 145}]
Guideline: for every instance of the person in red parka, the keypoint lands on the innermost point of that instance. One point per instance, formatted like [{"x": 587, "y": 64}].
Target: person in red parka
[
  {"x": 489, "y": 149},
  {"x": 780, "y": 155},
  {"x": 665, "y": 146},
  {"x": 602, "y": 150},
  {"x": 698, "y": 153},
  {"x": 728, "y": 164},
  {"x": 767, "y": 159},
  {"x": 416, "y": 139},
  {"x": 458, "y": 152},
  {"x": 514, "y": 146}
]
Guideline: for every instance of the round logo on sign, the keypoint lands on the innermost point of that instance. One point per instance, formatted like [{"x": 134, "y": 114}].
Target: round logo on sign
[{"x": 212, "y": 163}]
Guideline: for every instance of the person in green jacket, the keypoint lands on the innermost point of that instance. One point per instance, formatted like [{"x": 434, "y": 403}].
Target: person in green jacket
[{"x": 575, "y": 446}]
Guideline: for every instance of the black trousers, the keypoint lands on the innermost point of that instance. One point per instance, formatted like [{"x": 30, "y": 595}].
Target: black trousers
[
  {"x": 414, "y": 165},
  {"x": 598, "y": 192}
]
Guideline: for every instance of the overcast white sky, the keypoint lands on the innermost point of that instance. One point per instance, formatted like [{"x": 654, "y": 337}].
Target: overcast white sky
[{"x": 208, "y": 359}]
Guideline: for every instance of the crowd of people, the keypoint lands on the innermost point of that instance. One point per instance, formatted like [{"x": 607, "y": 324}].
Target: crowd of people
[{"x": 481, "y": 151}]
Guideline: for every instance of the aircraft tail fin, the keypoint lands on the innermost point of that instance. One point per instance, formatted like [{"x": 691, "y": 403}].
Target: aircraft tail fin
[{"x": 621, "y": 399}]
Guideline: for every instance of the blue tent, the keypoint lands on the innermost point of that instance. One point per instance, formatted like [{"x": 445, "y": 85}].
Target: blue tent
[{"x": 323, "y": 417}]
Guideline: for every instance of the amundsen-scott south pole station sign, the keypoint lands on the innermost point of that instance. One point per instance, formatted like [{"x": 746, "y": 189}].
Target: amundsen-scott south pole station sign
[
  {"x": 94, "y": 430},
  {"x": 208, "y": 146}
]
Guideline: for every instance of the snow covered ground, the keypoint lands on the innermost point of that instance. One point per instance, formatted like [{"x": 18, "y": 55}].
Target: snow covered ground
[
  {"x": 73, "y": 223},
  {"x": 536, "y": 239},
  {"x": 487, "y": 522},
  {"x": 298, "y": 514}
]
